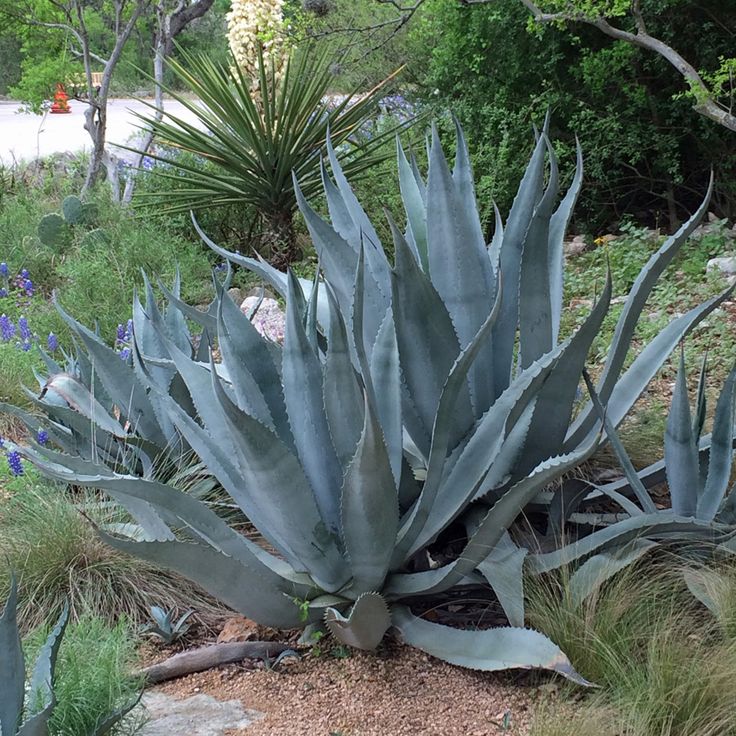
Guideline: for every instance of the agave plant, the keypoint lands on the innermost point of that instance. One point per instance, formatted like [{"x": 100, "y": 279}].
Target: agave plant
[
  {"x": 13, "y": 698},
  {"x": 698, "y": 482},
  {"x": 166, "y": 627},
  {"x": 16, "y": 696},
  {"x": 254, "y": 145},
  {"x": 405, "y": 397}
]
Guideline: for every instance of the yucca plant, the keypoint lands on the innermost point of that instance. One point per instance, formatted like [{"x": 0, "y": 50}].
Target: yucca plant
[
  {"x": 252, "y": 145},
  {"x": 404, "y": 398}
]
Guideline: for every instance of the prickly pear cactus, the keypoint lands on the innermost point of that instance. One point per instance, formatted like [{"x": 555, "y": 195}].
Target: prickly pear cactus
[
  {"x": 73, "y": 209},
  {"x": 52, "y": 230}
]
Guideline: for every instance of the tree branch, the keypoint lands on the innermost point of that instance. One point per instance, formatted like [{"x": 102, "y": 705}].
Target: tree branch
[{"x": 705, "y": 103}]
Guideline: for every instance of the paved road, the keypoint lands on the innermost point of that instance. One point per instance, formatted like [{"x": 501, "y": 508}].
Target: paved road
[{"x": 24, "y": 137}]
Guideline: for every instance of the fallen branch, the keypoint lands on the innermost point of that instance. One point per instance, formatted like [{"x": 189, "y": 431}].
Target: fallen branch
[{"x": 206, "y": 658}]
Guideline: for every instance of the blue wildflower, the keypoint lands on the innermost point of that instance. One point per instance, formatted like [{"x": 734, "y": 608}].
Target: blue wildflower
[
  {"x": 42, "y": 436},
  {"x": 125, "y": 354},
  {"x": 28, "y": 287},
  {"x": 24, "y": 329},
  {"x": 24, "y": 274},
  {"x": 52, "y": 342},
  {"x": 14, "y": 463},
  {"x": 129, "y": 331},
  {"x": 25, "y": 346},
  {"x": 2, "y": 444},
  {"x": 7, "y": 328},
  {"x": 121, "y": 333},
  {"x": 4, "y": 270},
  {"x": 3, "y": 293}
]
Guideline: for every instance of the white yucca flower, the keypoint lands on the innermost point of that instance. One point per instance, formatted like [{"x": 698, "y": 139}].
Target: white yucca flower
[{"x": 254, "y": 24}]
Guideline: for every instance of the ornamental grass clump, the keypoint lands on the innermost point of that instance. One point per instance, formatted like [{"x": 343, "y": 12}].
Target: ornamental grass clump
[{"x": 408, "y": 400}]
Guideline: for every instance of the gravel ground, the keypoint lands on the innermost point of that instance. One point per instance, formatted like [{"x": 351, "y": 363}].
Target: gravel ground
[{"x": 398, "y": 691}]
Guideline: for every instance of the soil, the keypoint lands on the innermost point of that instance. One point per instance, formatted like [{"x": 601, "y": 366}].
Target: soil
[{"x": 397, "y": 691}]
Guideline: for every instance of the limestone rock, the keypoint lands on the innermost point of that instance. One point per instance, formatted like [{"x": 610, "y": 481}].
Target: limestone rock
[
  {"x": 269, "y": 320},
  {"x": 200, "y": 715},
  {"x": 576, "y": 246},
  {"x": 726, "y": 265}
]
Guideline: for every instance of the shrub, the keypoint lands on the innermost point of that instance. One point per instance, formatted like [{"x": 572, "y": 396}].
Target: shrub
[{"x": 59, "y": 558}]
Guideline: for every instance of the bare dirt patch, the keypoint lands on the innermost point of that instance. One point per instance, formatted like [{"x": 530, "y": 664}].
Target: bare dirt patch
[{"x": 397, "y": 691}]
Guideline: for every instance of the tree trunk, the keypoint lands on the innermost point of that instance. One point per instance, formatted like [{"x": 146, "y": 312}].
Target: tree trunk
[
  {"x": 278, "y": 239},
  {"x": 158, "y": 77},
  {"x": 95, "y": 124}
]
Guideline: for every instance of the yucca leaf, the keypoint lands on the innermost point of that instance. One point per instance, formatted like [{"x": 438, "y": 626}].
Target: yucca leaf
[{"x": 487, "y": 650}]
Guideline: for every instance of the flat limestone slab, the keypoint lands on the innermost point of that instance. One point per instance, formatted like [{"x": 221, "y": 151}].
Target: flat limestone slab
[{"x": 200, "y": 715}]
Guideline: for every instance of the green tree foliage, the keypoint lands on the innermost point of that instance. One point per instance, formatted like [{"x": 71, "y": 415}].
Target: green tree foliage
[{"x": 648, "y": 152}]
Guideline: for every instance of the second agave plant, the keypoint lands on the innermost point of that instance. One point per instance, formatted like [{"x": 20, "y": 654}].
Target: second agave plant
[{"x": 407, "y": 398}]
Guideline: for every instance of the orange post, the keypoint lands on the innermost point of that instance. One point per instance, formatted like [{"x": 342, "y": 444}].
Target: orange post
[{"x": 61, "y": 101}]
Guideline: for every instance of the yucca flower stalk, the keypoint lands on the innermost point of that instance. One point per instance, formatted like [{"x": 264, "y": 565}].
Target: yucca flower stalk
[{"x": 255, "y": 27}]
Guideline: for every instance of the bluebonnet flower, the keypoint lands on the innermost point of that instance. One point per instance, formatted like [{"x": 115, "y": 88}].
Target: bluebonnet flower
[
  {"x": 14, "y": 463},
  {"x": 24, "y": 329},
  {"x": 24, "y": 274},
  {"x": 52, "y": 342},
  {"x": 148, "y": 163},
  {"x": 3, "y": 293},
  {"x": 2, "y": 444},
  {"x": 121, "y": 333},
  {"x": 7, "y": 329},
  {"x": 4, "y": 270},
  {"x": 25, "y": 346},
  {"x": 129, "y": 331},
  {"x": 42, "y": 436},
  {"x": 28, "y": 287},
  {"x": 125, "y": 354}
]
